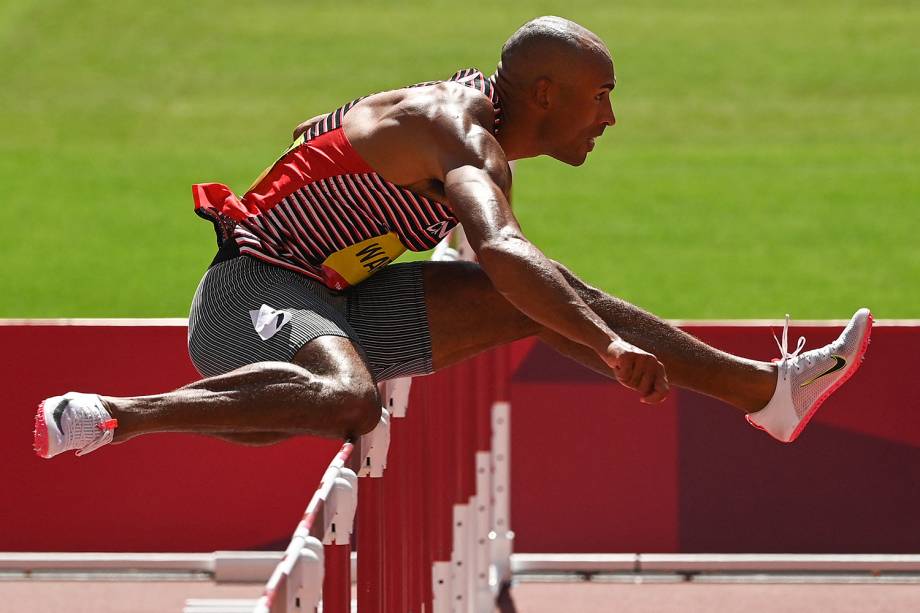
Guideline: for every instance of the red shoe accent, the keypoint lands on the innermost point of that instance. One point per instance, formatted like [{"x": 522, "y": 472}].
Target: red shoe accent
[
  {"x": 109, "y": 424},
  {"x": 40, "y": 442},
  {"x": 756, "y": 425}
]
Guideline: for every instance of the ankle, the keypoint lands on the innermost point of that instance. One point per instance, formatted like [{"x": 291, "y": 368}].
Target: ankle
[
  {"x": 119, "y": 409},
  {"x": 763, "y": 387}
]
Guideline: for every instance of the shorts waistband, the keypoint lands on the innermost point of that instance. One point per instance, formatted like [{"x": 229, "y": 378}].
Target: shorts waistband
[{"x": 228, "y": 250}]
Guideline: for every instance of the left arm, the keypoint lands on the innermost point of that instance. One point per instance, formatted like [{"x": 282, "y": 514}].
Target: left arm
[{"x": 306, "y": 125}]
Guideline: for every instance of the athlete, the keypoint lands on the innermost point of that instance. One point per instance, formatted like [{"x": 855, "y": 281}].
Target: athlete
[{"x": 301, "y": 312}]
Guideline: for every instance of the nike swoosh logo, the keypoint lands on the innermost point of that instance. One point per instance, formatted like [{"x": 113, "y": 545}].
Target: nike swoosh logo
[
  {"x": 839, "y": 363},
  {"x": 267, "y": 321},
  {"x": 58, "y": 412}
]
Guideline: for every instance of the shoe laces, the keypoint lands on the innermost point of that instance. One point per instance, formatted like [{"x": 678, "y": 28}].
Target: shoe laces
[
  {"x": 788, "y": 358},
  {"x": 107, "y": 429},
  {"x": 90, "y": 427}
]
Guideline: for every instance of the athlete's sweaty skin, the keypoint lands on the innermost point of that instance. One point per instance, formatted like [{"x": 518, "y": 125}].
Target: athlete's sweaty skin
[
  {"x": 447, "y": 151},
  {"x": 438, "y": 141}
]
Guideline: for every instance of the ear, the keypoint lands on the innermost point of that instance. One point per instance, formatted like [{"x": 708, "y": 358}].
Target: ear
[{"x": 543, "y": 92}]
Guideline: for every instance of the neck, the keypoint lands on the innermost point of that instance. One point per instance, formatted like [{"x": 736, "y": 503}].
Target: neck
[{"x": 515, "y": 134}]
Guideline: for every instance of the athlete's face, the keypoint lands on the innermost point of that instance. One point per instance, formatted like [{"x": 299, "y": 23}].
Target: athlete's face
[{"x": 583, "y": 110}]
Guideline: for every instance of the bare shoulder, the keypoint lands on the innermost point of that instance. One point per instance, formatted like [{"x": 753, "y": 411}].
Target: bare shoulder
[
  {"x": 446, "y": 110},
  {"x": 439, "y": 104},
  {"x": 416, "y": 134},
  {"x": 462, "y": 121},
  {"x": 459, "y": 102}
]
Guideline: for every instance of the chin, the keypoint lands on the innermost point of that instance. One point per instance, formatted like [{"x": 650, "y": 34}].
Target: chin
[{"x": 571, "y": 159}]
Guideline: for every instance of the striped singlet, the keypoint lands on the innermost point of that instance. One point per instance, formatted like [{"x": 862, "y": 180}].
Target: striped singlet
[{"x": 321, "y": 211}]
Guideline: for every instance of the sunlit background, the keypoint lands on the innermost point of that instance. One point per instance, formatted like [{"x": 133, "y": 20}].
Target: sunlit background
[{"x": 765, "y": 159}]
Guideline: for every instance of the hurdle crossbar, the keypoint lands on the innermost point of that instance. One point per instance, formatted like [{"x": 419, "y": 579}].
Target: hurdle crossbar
[{"x": 297, "y": 581}]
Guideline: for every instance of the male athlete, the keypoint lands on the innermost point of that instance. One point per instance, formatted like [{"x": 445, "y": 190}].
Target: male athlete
[{"x": 300, "y": 314}]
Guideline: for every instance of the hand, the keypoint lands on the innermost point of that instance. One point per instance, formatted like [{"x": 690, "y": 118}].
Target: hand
[
  {"x": 638, "y": 370},
  {"x": 306, "y": 125}
]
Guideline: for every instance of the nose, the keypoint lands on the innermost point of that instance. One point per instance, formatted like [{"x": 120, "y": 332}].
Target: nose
[{"x": 608, "y": 117}]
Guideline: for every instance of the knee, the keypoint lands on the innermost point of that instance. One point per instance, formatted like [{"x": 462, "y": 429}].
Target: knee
[
  {"x": 342, "y": 401},
  {"x": 343, "y": 404},
  {"x": 359, "y": 405}
]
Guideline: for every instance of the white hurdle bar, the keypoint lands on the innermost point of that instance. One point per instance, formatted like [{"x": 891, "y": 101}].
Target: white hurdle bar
[{"x": 297, "y": 582}]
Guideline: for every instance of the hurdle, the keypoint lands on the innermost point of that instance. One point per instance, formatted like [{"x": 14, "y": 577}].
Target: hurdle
[
  {"x": 298, "y": 578},
  {"x": 436, "y": 526},
  {"x": 432, "y": 533}
]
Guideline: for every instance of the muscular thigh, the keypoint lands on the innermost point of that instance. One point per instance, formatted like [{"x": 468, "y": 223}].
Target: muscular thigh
[
  {"x": 341, "y": 366},
  {"x": 466, "y": 314}
]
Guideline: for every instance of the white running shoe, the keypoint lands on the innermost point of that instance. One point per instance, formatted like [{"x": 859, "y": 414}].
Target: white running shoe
[
  {"x": 805, "y": 381},
  {"x": 72, "y": 421}
]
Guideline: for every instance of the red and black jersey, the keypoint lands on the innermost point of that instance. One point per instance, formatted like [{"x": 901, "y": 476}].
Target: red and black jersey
[{"x": 320, "y": 210}]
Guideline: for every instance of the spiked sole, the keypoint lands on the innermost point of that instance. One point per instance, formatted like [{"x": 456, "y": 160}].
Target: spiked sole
[{"x": 40, "y": 442}]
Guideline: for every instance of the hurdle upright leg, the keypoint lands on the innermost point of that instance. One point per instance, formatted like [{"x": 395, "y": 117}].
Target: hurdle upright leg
[{"x": 371, "y": 519}]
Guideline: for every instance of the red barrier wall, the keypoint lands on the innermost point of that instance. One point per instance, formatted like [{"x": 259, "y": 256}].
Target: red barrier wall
[
  {"x": 692, "y": 476},
  {"x": 168, "y": 492},
  {"x": 592, "y": 469}
]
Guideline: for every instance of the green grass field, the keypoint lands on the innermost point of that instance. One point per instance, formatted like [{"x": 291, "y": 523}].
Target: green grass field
[{"x": 766, "y": 159}]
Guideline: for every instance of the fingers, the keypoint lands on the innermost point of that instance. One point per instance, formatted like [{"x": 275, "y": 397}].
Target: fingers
[
  {"x": 634, "y": 367},
  {"x": 644, "y": 373},
  {"x": 623, "y": 369},
  {"x": 300, "y": 129},
  {"x": 647, "y": 383},
  {"x": 659, "y": 391}
]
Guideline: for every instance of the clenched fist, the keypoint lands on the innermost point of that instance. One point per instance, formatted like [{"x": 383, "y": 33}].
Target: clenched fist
[{"x": 638, "y": 370}]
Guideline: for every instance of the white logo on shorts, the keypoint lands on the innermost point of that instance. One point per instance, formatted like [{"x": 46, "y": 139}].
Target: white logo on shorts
[{"x": 267, "y": 321}]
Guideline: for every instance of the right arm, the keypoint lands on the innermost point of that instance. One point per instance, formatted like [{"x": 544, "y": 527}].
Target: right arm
[
  {"x": 442, "y": 135},
  {"x": 477, "y": 182},
  {"x": 516, "y": 267}
]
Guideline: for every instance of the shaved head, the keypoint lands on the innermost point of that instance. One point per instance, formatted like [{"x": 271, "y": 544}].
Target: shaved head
[
  {"x": 554, "y": 80},
  {"x": 549, "y": 47}
]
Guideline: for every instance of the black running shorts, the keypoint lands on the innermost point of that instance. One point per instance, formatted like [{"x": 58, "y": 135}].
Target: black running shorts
[{"x": 247, "y": 311}]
